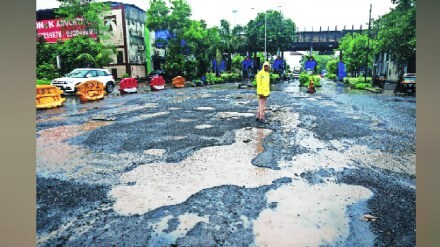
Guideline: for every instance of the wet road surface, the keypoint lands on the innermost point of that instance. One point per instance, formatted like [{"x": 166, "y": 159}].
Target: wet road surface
[{"x": 192, "y": 167}]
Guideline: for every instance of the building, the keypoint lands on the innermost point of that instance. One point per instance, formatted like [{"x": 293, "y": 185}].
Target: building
[
  {"x": 385, "y": 65},
  {"x": 127, "y": 26}
]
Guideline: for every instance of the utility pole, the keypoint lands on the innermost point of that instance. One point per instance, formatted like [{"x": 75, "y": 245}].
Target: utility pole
[{"x": 368, "y": 45}]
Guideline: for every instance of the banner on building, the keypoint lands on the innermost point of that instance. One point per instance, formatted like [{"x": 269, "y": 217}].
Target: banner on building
[{"x": 59, "y": 29}]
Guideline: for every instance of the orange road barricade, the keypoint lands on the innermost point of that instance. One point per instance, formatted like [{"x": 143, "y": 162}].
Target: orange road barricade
[
  {"x": 179, "y": 81},
  {"x": 311, "y": 87},
  {"x": 90, "y": 90},
  {"x": 48, "y": 96}
]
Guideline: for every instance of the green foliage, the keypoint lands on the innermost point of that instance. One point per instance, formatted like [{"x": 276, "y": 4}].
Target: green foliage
[
  {"x": 43, "y": 82},
  {"x": 236, "y": 63},
  {"x": 331, "y": 66},
  {"x": 354, "y": 50},
  {"x": 125, "y": 75},
  {"x": 47, "y": 71},
  {"x": 189, "y": 59},
  {"x": 358, "y": 82},
  {"x": 397, "y": 32},
  {"x": 280, "y": 32},
  {"x": 92, "y": 13},
  {"x": 331, "y": 76},
  {"x": 362, "y": 86},
  {"x": 322, "y": 61},
  {"x": 212, "y": 78},
  {"x": 82, "y": 51},
  {"x": 235, "y": 76},
  {"x": 274, "y": 77},
  {"x": 304, "y": 80}
]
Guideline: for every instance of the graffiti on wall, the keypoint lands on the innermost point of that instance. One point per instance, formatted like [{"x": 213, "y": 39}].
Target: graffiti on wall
[{"x": 135, "y": 25}]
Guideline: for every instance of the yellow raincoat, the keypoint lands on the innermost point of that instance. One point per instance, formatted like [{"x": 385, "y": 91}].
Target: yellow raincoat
[{"x": 263, "y": 81}]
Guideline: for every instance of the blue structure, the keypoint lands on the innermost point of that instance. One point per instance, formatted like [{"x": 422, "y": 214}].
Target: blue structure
[
  {"x": 278, "y": 65},
  {"x": 218, "y": 68},
  {"x": 310, "y": 65},
  {"x": 341, "y": 70}
]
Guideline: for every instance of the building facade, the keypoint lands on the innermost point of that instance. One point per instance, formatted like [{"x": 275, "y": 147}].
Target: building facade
[{"x": 127, "y": 33}]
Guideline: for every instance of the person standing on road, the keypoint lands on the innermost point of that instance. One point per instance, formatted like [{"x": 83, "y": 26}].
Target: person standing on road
[{"x": 263, "y": 90}]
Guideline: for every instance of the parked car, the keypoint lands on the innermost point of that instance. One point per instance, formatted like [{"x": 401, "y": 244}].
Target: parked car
[
  {"x": 296, "y": 71},
  {"x": 77, "y": 76}
]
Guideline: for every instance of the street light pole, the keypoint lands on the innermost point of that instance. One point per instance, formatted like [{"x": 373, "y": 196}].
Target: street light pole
[{"x": 265, "y": 34}]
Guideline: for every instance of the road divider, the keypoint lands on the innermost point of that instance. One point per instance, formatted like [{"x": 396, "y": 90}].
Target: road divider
[
  {"x": 128, "y": 85},
  {"x": 48, "y": 96},
  {"x": 179, "y": 81},
  {"x": 90, "y": 90}
]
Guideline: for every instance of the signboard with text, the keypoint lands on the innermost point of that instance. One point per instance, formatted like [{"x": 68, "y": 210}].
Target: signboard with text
[{"x": 59, "y": 29}]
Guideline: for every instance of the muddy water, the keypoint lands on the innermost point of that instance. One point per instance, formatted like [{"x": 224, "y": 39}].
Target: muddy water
[
  {"x": 315, "y": 214},
  {"x": 161, "y": 184},
  {"x": 56, "y": 155}
]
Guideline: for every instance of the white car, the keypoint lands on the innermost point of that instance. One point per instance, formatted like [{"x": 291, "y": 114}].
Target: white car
[
  {"x": 77, "y": 76},
  {"x": 296, "y": 72}
]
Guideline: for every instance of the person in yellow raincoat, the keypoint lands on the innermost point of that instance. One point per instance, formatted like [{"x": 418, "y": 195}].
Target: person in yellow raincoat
[{"x": 263, "y": 90}]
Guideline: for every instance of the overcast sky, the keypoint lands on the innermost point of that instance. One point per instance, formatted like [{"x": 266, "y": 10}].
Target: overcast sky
[{"x": 306, "y": 13}]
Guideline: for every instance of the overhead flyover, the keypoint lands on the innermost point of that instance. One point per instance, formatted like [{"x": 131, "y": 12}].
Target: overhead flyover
[{"x": 322, "y": 40}]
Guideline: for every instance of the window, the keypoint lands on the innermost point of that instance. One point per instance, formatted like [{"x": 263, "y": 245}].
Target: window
[
  {"x": 120, "y": 57},
  {"x": 92, "y": 73},
  {"x": 101, "y": 73}
]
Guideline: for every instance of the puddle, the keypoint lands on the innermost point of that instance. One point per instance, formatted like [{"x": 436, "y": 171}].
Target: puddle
[
  {"x": 375, "y": 158},
  {"x": 184, "y": 120},
  {"x": 177, "y": 138},
  {"x": 145, "y": 116},
  {"x": 162, "y": 184},
  {"x": 316, "y": 214},
  {"x": 289, "y": 120},
  {"x": 174, "y": 108},
  {"x": 223, "y": 115},
  {"x": 205, "y": 108},
  {"x": 203, "y": 126},
  {"x": 53, "y": 153}
]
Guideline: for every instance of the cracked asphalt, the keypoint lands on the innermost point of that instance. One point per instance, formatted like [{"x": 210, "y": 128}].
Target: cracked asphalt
[{"x": 192, "y": 167}]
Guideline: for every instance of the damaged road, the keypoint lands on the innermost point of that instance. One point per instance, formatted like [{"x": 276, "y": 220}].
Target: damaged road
[{"x": 192, "y": 167}]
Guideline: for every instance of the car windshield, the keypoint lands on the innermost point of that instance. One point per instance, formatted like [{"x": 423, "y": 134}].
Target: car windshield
[
  {"x": 77, "y": 73},
  {"x": 410, "y": 79}
]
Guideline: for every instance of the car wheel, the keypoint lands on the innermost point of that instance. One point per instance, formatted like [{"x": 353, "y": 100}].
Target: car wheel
[{"x": 109, "y": 88}]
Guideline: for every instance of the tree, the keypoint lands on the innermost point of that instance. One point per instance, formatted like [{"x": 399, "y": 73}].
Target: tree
[
  {"x": 91, "y": 13},
  {"x": 322, "y": 61},
  {"x": 354, "y": 48},
  {"x": 175, "y": 21},
  {"x": 332, "y": 66},
  {"x": 280, "y": 32},
  {"x": 397, "y": 33},
  {"x": 83, "y": 51}
]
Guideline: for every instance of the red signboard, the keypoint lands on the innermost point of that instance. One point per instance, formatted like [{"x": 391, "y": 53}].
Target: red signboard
[{"x": 60, "y": 29}]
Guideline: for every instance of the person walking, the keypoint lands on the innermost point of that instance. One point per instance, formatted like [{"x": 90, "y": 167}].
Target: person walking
[{"x": 263, "y": 90}]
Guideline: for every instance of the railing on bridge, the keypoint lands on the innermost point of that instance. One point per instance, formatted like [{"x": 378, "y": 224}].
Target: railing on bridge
[{"x": 322, "y": 40}]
